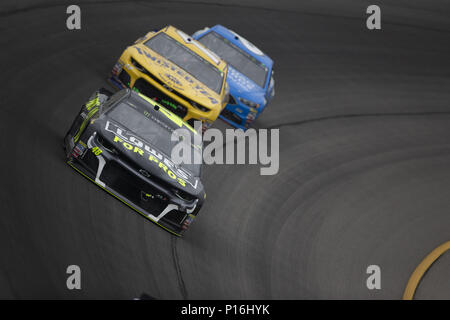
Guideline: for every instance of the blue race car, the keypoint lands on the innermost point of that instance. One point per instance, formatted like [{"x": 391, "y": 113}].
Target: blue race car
[{"x": 250, "y": 74}]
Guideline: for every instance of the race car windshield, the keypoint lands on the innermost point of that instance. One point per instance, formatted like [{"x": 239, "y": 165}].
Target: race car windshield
[
  {"x": 237, "y": 58},
  {"x": 187, "y": 60},
  {"x": 156, "y": 134}
]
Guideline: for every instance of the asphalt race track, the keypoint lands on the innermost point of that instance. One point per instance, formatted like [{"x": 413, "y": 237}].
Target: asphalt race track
[{"x": 364, "y": 179}]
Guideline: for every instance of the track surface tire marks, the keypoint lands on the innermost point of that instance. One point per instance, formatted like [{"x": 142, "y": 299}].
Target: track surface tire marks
[{"x": 365, "y": 183}]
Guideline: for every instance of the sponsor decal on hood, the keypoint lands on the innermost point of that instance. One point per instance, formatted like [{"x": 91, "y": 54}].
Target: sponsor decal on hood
[{"x": 138, "y": 146}]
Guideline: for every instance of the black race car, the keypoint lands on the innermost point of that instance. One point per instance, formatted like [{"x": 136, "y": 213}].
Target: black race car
[{"x": 122, "y": 143}]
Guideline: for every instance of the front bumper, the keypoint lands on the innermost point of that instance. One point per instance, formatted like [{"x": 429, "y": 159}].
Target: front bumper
[
  {"x": 124, "y": 182},
  {"x": 239, "y": 115}
]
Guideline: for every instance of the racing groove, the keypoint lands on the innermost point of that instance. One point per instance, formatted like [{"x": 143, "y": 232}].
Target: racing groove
[{"x": 364, "y": 176}]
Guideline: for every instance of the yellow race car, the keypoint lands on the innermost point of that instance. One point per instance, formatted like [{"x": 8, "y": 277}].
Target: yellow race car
[{"x": 178, "y": 72}]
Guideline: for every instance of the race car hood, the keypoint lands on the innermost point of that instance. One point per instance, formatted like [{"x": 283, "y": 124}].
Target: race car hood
[
  {"x": 147, "y": 157},
  {"x": 241, "y": 86},
  {"x": 175, "y": 77}
]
